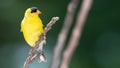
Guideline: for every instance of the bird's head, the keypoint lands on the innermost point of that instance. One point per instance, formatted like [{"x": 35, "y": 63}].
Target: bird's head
[{"x": 33, "y": 11}]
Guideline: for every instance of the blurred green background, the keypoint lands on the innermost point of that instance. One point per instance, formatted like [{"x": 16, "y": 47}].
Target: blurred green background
[{"x": 99, "y": 46}]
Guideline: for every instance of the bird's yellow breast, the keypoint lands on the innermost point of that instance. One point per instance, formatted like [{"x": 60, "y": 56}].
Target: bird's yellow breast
[{"x": 32, "y": 28}]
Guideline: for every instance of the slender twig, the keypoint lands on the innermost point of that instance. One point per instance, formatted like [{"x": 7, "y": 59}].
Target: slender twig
[
  {"x": 64, "y": 32},
  {"x": 32, "y": 54},
  {"x": 76, "y": 34}
]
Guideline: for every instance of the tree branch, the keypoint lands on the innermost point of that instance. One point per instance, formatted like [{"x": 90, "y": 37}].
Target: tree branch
[
  {"x": 76, "y": 34},
  {"x": 32, "y": 54},
  {"x": 64, "y": 32}
]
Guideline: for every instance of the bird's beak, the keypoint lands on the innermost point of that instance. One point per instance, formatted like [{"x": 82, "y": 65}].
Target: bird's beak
[{"x": 38, "y": 12}]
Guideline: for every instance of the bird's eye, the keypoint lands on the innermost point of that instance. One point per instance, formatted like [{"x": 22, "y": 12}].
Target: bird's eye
[{"x": 33, "y": 9}]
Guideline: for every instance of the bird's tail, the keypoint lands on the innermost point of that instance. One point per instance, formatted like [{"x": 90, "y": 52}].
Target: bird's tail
[{"x": 42, "y": 58}]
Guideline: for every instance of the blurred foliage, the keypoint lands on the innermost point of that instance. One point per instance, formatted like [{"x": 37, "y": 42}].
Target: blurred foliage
[{"x": 99, "y": 46}]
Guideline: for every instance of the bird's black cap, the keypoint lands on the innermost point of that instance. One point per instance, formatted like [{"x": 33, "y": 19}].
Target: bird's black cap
[{"x": 34, "y": 9}]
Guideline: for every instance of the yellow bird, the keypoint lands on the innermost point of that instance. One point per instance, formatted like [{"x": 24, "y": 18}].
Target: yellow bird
[{"x": 32, "y": 28}]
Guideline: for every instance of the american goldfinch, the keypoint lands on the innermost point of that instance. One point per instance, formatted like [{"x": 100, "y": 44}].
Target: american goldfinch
[{"x": 32, "y": 28}]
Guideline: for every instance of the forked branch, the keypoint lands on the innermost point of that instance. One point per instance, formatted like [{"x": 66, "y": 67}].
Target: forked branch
[{"x": 76, "y": 33}]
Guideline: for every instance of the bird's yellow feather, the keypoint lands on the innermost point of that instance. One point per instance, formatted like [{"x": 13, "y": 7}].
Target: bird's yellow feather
[{"x": 32, "y": 27}]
